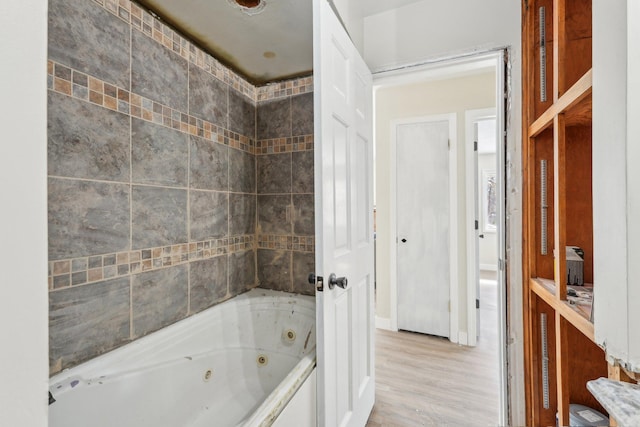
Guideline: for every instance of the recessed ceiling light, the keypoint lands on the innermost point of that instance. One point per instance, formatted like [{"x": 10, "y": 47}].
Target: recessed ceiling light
[
  {"x": 249, "y": 3},
  {"x": 249, "y": 7}
]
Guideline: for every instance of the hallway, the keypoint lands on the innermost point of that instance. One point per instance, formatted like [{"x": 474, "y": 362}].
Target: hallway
[{"x": 424, "y": 380}]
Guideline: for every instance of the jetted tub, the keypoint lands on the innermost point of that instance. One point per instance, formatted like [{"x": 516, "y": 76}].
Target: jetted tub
[{"x": 237, "y": 363}]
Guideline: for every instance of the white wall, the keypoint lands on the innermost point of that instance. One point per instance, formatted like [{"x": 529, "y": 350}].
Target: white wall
[
  {"x": 429, "y": 30},
  {"x": 487, "y": 246},
  {"x": 24, "y": 371},
  {"x": 616, "y": 177},
  {"x": 416, "y": 100},
  {"x": 350, "y": 12},
  {"x": 633, "y": 177},
  {"x": 434, "y": 29}
]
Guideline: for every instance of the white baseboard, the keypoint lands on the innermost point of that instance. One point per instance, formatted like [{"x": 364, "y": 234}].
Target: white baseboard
[
  {"x": 489, "y": 267},
  {"x": 383, "y": 323}
]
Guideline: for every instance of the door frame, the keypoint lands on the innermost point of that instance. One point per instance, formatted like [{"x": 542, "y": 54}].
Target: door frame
[
  {"x": 453, "y": 221},
  {"x": 472, "y": 193},
  {"x": 438, "y": 67}
]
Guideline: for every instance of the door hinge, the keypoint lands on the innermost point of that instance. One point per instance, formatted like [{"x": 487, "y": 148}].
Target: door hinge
[
  {"x": 502, "y": 264},
  {"x": 449, "y": 306},
  {"x": 477, "y": 303},
  {"x": 448, "y": 144},
  {"x": 476, "y": 224},
  {"x": 475, "y": 145}
]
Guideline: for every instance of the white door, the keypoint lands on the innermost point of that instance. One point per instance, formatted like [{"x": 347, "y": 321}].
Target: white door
[
  {"x": 344, "y": 224},
  {"x": 478, "y": 235},
  {"x": 423, "y": 227}
]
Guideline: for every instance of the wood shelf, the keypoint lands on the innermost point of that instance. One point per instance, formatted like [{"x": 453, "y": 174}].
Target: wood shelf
[
  {"x": 575, "y": 103},
  {"x": 561, "y": 355},
  {"x": 546, "y": 289}
]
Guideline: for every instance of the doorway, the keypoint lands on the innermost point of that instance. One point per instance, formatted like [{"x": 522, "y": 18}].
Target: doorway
[
  {"x": 426, "y": 222},
  {"x": 463, "y": 308},
  {"x": 481, "y": 197}
]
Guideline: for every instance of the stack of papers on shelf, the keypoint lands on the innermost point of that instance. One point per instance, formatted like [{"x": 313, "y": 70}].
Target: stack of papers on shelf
[{"x": 582, "y": 298}]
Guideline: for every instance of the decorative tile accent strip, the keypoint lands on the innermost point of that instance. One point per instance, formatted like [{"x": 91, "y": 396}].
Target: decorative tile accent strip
[
  {"x": 80, "y": 271},
  {"x": 284, "y": 145},
  {"x": 78, "y": 85},
  {"x": 147, "y": 23},
  {"x": 295, "y": 243},
  {"x": 285, "y": 88}
]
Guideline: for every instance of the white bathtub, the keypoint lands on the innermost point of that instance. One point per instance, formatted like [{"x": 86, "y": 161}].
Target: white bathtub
[{"x": 238, "y": 363}]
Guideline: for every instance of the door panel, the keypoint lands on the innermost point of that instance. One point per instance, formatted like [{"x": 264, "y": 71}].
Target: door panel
[
  {"x": 344, "y": 224},
  {"x": 423, "y": 227},
  {"x": 362, "y": 206},
  {"x": 341, "y": 185}
]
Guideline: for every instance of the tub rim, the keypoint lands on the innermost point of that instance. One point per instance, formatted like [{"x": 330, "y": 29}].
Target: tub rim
[{"x": 279, "y": 398}]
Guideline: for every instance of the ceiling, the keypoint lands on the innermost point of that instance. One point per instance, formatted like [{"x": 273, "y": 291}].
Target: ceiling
[{"x": 274, "y": 43}]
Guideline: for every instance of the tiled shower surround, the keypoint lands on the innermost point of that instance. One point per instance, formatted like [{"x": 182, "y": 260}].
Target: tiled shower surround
[{"x": 174, "y": 184}]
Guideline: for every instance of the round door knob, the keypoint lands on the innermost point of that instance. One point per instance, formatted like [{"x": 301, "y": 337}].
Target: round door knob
[
  {"x": 340, "y": 282},
  {"x": 404, "y": 240}
]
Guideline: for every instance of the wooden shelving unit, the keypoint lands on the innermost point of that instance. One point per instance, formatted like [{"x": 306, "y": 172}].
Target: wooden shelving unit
[{"x": 560, "y": 352}]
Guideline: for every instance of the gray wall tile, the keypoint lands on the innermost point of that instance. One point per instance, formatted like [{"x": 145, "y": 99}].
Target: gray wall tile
[
  {"x": 272, "y": 215},
  {"x": 87, "y": 321},
  {"x": 274, "y": 173},
  {"x": 274, "y": 119},
  {"x": 87, "y": 218},
  {"x": 158, "y": 73},
  {"x": 242, "y": 214},
  {"x": 84, "y": 36},
  {"x": 303, "y": 263},
  {"x": 302, "y": 172},
  {"x": 159, "y": 216},
  {"x": 302, "y": 114},
  {"x": 209, "y": 213},
  {"x": 209, "y": 168},
  {"x": 159, "y": 298},
  {"x": 86, "y": 141},
  {"x": 159, "y": 155},
  {"x": 274, "y": 269},
  {"x": 208, "y": 281},
  {"x": 242, "y": 171},
  {"x": 242, "y": 114},
  {"x": 207, "y": 96},
  {"x": 242, "y": 271},
  {"x": 303, "y": 215}
]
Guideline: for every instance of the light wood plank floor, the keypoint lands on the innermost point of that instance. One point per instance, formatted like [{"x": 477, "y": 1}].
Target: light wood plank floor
[{"x": 428, "y": 381}]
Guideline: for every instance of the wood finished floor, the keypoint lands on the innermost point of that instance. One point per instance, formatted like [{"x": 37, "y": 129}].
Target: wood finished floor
[{"x": 428, "y": 381}]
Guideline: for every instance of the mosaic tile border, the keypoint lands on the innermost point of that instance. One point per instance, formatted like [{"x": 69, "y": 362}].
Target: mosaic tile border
[
  {"x": 146, "y": 22},
  {"x": 84, "y": 270},
  {"x": 286, "y": 88},
  {"x": 78, "y": 85},
  {"x": 284, "y": 145},
  {"x": 292, "y": 243}
]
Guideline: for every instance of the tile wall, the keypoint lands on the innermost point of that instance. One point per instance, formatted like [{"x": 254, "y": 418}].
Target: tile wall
[
  {"x": 285, "y": 229},
  {"x": 162, "y": 201}
]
